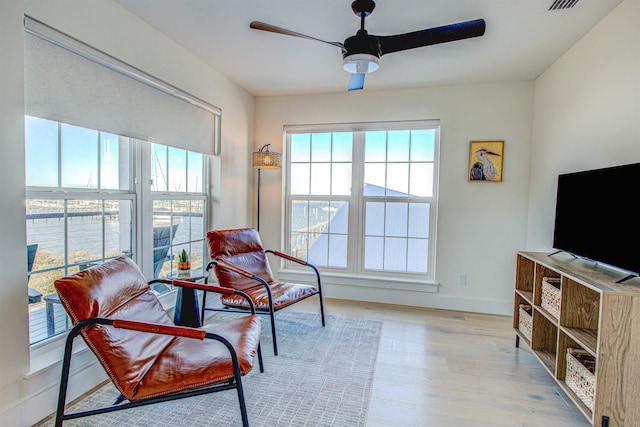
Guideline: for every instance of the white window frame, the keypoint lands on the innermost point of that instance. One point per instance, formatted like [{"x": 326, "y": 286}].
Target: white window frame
[
  {"x": 60, "y": 193},
  {"x": 141, "y": 198},
  {"x": 148, "y": 196},
  {"x": 354, "y": 273}
]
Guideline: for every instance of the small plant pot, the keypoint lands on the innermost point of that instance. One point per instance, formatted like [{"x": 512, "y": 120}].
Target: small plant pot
[{"x": 184, "y": 265}]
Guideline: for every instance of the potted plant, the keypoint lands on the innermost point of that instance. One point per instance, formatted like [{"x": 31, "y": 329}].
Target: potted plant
[{"x": 183, "y": 261}]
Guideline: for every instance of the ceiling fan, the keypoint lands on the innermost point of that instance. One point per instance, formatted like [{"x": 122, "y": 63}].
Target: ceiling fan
[{"x": 361, "y": 53}]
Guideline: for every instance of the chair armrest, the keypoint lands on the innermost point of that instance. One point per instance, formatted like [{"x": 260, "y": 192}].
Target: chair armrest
[
  {"x": 148, "y": 327},
  {"x": 178, "y": 331},
  {"x": 299, "y": 261},
  {"x": 203, "y": 287},
  {"x": 193, "y": 285},
  {"x": 241, "y": 271},
  {"x": 287, "y": 257},
  {"x": 213, "y": 288},
  {"x": 165, "y": 281},
  {"x": 156, "y": 328}
]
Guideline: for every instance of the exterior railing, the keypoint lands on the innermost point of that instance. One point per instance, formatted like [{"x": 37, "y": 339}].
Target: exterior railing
[{"x": 303, "y": 239}]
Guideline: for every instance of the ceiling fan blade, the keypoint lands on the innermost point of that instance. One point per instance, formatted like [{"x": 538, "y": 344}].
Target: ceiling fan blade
[
  {"x": 431, "y": 36},
  {"x": 257, "y": 25},
  {"x": 356, "y": 82}
]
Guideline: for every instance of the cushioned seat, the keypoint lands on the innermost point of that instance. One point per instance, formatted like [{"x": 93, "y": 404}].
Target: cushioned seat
[
  {"x": 172, "y": 371},
  {"x": 282, "y": 294}
]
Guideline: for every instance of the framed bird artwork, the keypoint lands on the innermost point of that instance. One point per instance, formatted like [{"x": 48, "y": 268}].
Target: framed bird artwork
[{"x": 485, "y": 161}]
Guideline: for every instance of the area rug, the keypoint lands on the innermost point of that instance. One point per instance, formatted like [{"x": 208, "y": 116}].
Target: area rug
[{"x": 321, "y": 377}]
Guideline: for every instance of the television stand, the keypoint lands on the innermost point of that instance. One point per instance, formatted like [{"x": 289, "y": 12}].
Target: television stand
[{"x": 598, "y": 317}]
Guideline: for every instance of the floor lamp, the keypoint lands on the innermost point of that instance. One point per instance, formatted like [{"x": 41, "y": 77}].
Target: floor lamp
[{"x": 264, "y": 159}]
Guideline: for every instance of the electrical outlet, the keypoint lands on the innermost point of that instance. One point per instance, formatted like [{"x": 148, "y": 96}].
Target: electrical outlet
[{"x": 462, "y": 278}]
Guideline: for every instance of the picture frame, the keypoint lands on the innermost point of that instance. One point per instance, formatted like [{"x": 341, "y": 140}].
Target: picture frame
[{"x": 485, "y": 161}]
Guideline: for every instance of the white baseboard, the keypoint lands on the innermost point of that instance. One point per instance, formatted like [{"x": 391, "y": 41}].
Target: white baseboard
[
  {"x": 418, "y": 299},
  {"x": 40, "y": 404}
]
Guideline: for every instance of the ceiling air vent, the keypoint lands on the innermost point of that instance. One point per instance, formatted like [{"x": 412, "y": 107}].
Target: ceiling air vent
[{"x": 563, "y": 4}]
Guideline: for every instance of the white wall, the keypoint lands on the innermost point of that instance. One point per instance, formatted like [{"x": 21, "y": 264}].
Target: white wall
[
  {"x": 584, "y": 112},
  {"x": 587, "y": 114},
  {"x": 480, "y": 225},
  {"x": 27, "y": 395}
]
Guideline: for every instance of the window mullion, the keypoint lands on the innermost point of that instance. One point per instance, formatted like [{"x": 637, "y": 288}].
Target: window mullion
[
  {"x": 357, "y": 210},
  {"x": 99, "y": 177},
  {"x": 59, "y": 155},
  {"x": 286, "y": 209},
  {"x": 406, "y": 241},
  {"x": 104, "y": 224},
  {"x": 66, "y": 235},
  {"x": 144, "y": 214}
]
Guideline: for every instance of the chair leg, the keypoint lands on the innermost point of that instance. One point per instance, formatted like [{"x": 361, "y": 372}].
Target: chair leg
[
  {"x": 273, "y": 332},
  {"x": 321, "y": 308},
  {"x": 118, "y": 400},
  {"x": 260, "y": 358},
  {"x": 243, "y": 405},
  {"x": 319, "y": 291},
  {"x": 64, "y": 377}
]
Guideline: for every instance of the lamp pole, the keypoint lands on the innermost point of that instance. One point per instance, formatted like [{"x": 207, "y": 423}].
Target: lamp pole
[
  {"x": 258, "y": 224},
  {"x": 264, "y": 159}
]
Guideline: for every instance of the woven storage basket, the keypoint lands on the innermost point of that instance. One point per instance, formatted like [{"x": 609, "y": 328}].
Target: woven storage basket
[
  {"x": 524, "y": 320},
  {"x": 580, "y": 376},
  {"x": 551, "y": 295}
]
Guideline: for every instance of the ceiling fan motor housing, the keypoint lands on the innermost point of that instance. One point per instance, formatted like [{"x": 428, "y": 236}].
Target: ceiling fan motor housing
[
  {"x": 361, "y": 53},
  {"x": 362, "y": 43}
]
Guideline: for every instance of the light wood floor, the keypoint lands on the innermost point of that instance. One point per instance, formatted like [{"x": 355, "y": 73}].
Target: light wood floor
[
  {"x": 438, "y": 368},
  {"x": 455, "y": 369}
]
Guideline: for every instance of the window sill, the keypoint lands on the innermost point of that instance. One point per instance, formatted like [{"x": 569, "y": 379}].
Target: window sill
[
  {"x": 380, "y": 282},
  {"x": 49, "y": 353}
]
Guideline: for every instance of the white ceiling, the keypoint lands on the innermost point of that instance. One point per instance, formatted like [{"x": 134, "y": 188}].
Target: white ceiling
[{"x": 522, "y": 39}]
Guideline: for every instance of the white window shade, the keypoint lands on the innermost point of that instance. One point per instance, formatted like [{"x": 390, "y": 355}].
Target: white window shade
[{"x": 69, "y": 81}]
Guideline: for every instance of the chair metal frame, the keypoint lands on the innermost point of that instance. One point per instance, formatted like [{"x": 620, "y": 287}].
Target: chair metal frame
[
  {"x": 248, "y": 274},
  {"x": 147, "y": 327}
]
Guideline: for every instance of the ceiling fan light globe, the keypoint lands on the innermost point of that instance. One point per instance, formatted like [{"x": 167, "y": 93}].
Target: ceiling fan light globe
[{"x": 361, "y": 63}]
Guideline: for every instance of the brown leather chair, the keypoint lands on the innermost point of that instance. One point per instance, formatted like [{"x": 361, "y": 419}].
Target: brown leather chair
[
  {"x": 241, "y": 263},
  {"x": 148, "y": 358}
]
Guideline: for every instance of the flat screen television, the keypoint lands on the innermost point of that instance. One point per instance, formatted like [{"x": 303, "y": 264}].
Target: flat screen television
[{"x": 596, "y": 217}]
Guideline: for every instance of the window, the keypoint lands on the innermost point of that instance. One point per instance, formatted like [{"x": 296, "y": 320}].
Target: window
[
  {"x": 179, "y": 207},
  {"x": 82, "y": 206},
  {"x": 79, "y": 209},
  {"x": 361, "y": 198}
]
